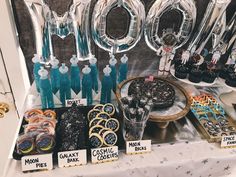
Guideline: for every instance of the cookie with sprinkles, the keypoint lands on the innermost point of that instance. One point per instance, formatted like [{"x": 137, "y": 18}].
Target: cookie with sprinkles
[
  {"x": 109, "y": 109},
  {"x": 112, "y": 124},
  {"x": 101, "y": 132},
  {"x": 95, "y": 129},
  {"x": 94, "y": 122},
  {"x": 102, "y": 122},
  {"x": 93, "y": 114},
  {"x": 103, "y": 115},
  {"x": 96, "y": 140},
  {"x": 109, "y": 138}
]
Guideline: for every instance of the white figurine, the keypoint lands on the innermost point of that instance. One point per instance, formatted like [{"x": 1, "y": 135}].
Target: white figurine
[
  {"x": 167, "y": 55},
  {"x": 167, "y": 51}
]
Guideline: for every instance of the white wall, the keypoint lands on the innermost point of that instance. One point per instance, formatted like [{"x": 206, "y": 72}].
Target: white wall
[{"x": 12, "y": 56}]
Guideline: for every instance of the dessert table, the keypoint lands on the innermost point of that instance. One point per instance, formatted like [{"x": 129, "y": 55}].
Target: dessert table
[
  {"x": 199, "y": 159},
  {"x": 195, "y": 157}
]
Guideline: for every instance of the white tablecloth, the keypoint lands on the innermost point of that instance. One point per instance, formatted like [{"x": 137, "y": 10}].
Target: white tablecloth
[{"x": 195, "y": 159}]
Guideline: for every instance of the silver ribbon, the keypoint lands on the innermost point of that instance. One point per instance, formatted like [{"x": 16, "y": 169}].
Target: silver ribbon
[{"x": 213, "y": 14}]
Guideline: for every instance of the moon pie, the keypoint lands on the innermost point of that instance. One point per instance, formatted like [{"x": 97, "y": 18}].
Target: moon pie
[
  {"x": 95, "y": 140},
  {"x": 112, "y": 124},
  {"x": 98, "y": 107},
  {"x": 109, "y": 109},
  {"x": 103, "y": 115},
  {"x": 50, "y": 114},
  {"x": 31, "y": 113},
  {"x": 109, "y": 138},
  {"x": 93, "y": 113},
  {"x": 25, "y": 144},
  {"x": 45, "y": 142}
]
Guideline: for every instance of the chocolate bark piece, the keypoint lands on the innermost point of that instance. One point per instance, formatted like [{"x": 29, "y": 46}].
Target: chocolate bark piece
[{"x": 160, "y": 93}]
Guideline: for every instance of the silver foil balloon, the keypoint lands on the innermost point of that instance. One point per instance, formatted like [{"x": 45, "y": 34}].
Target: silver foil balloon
[
  {"x": 40, "y": 13},
  {"x": 47, "y": 23},
  {"x": 213, "y": 14},
  {"x": 186, "y": 8},
  {"x": 219, "y": 30},
  {"x": 136, "y": 11},
  {"x": 79, "y": 12},
  {"x": 228, "y": 37}
]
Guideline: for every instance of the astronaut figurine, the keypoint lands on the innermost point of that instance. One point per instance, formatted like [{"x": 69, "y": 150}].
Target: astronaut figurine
[
  {"x": 215, "y": 57},
  {"x": 167, "y": 52}
]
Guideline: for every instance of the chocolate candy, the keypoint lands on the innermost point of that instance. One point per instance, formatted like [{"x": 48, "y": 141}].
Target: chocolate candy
[
  {"x": 109, "y": 109},
  {"x": 95, "y": 140},
  {"x": 232, "y": 133},
  {"x": 224, "y": 134},
  {"x": 231, "y": 128},
  {"x": 112, "y": 124},
  {"x": 93, "y": 114},
  {"x": 225, "y": 129},
  {"x": 109, "y": 138}
]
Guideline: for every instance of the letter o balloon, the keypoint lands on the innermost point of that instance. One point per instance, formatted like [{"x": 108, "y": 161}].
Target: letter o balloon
[
  {"x": 186, "y": 8},
  {"x": 136, "y": 10}
]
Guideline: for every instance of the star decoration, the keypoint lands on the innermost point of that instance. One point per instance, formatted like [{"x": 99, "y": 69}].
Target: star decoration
[
  {"x": 205, "y": 161},
  {"x": 187, "y": 172},
  {"x": 177, "y": 167},
  {"x": 226, "y": 168}
]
